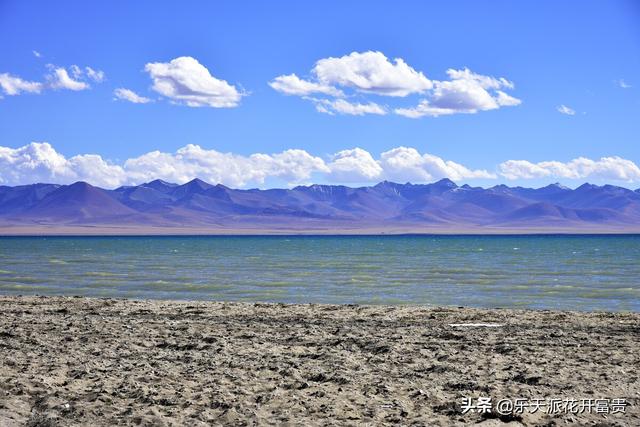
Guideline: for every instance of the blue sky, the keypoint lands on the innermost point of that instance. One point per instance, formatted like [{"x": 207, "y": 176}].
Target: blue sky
[{"x": 583, "y": 55}]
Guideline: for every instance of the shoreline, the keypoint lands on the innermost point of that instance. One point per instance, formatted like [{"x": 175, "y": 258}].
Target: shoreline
[
  {"x": 78, "y": 361},
  {"x": 320, "y": 305}
]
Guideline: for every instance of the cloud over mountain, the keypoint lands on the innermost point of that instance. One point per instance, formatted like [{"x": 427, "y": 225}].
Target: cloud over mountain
[
  {"x": 355, "y": 165},
  {"x": 40, "y": 162},
  {"x": 192, "y": 161},
  {"x": 610, "y": 168},
  {"x": 407, "y": 164}
]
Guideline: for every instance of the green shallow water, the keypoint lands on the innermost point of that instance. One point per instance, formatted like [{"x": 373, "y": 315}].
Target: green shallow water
[{"x": 544, "y": 272}]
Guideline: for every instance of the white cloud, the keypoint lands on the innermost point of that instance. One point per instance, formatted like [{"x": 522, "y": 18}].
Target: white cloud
[
  {"x": 372, "y": 72},
  {"x": 505, "y": 100},
  {"x": 88, "y": 72},
  {"x": 40, "y": 162},
  {"x": 13, "y": 85},
  {"x": 185, "y": 81},
  {"x": 466, "y": 92},
  {"x": 192, "y": 161},
  {"x": 565, "y": 110},
  {"x": 95, "y": 75},
  {"x": 340, "y": 106},
  {"x": 129, "y": 95},
  {"x": 407, "y": 164},
  {"x": 355, "y": 165},
  {"x": 624, "y": 85},
  {"x": 486, "y": 82},
  {"x": 94, "y": 169},
  {"x": 367, "y": 72},
  {"x": 76, "y": 71},
  {"x": 36, "y": 54},
  {"x": 294, "y": 85},
  {"x": 608, "y": 168},
  {"x": 401, "y": 164},
  {"x": 59, "y": 78},
  {"x": 424, "y": 108}
]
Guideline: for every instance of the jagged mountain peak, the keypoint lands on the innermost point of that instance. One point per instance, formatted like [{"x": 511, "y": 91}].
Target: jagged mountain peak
[{"x": 445, "y": 182}]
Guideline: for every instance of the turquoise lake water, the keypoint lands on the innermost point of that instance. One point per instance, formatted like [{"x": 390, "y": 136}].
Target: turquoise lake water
[{"x": 544, "y": 272}]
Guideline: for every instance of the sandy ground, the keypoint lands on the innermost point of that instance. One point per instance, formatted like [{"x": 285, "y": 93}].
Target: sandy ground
[{"x": 78, "y": 361}]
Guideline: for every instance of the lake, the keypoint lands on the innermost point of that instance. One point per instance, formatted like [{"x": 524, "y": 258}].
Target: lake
[{"x": 542, "y": 272}]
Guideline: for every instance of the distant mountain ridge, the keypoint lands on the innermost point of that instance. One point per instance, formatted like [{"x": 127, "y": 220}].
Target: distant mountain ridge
[{"x": 440, "y": 205}]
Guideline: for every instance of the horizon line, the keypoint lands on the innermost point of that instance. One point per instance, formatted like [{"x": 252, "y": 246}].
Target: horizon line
[{"x": 308, "y": 185}]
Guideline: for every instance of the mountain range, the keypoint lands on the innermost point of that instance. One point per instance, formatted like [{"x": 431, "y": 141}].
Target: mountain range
[{"x": 387, "y": 206}]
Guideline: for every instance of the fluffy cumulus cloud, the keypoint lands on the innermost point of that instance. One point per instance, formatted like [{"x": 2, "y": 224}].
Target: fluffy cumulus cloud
[
  {"x": 129, "y": 95},
  {"x": 407, "y": 164},
  {"x": 185, "y": 81},
  {"x": 362, "y": 74},
  {"x": 607, "y": 168},
  {"x": 400, "y": 164},
  {"x": 465, "y": 92},
  {"x": 371, "y": 72},
  {"x": 40, "y": 162},
  {"x": 355, "y": 165},
  {"x": 59, "y": 78},
  {"x": 73, "y": 78},
  {"x": 13, "y": 85},
  {"x": 193, "y": 161}
]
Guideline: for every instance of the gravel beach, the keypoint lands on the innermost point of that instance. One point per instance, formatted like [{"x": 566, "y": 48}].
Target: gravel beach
[{"x": 68, "y": 361}]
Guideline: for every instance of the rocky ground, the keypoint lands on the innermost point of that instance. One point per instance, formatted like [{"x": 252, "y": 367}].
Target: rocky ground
[{"x": 78, "y": 361}]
